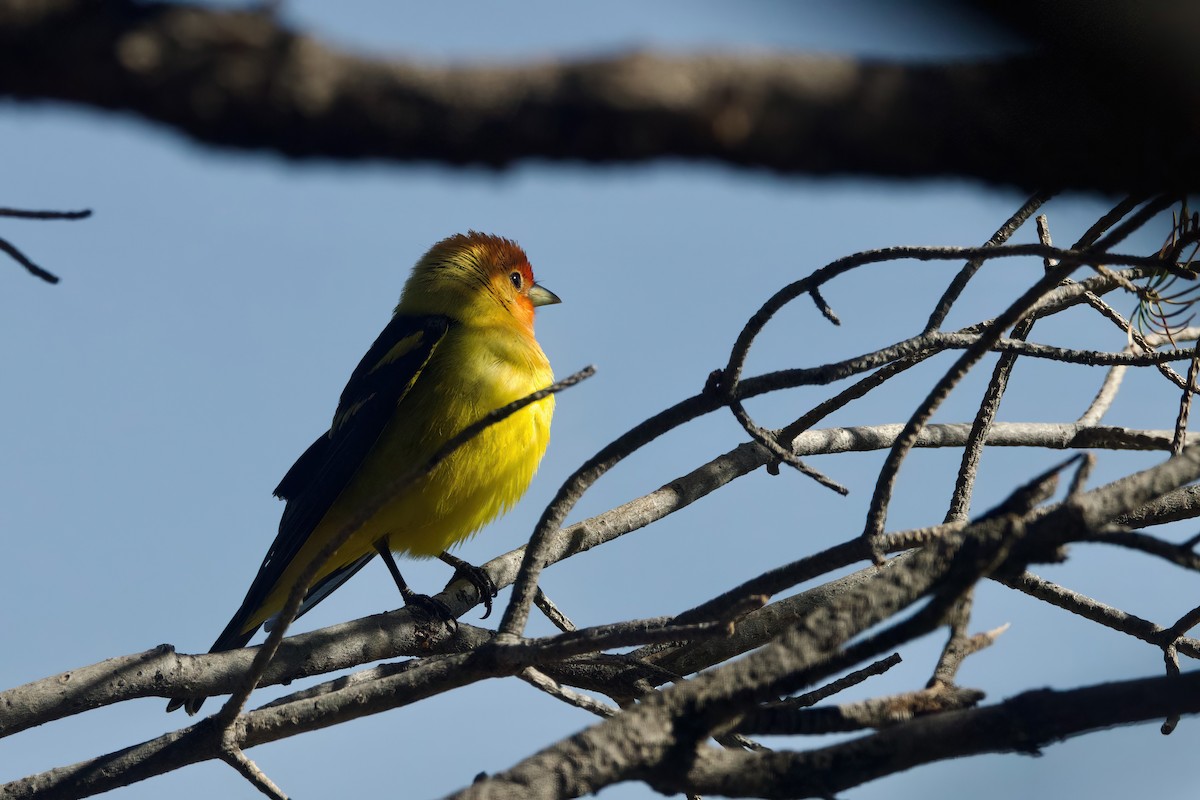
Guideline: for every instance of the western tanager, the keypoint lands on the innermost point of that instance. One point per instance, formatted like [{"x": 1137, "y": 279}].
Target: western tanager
[{"x": 459, "y": 345}]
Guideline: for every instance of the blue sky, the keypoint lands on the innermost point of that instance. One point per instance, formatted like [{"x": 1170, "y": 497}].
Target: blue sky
[{"x": 213, "y": 307}]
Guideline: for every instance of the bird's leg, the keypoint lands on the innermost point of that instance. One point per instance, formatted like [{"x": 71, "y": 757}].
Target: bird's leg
[
  {"x": 418, "y": 602},
  {"x": 476, "y": 576}
]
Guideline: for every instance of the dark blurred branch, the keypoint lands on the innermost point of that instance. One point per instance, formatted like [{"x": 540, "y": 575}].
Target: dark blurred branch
[
  {"x": 1150, "y": 46},
  {"x": 242, "y": 79}
]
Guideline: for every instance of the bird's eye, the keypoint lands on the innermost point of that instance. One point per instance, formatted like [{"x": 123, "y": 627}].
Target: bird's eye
[{"x": 517, "y": 280}]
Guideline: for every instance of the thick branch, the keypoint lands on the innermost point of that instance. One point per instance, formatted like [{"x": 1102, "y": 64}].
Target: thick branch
[
  {"x": 242, "y": 79},
  {"x": 1022, "y": 724}
]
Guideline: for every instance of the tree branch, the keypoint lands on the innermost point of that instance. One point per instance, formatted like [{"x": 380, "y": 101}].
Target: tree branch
[
  {"x": 1022, "y": 724},
  {"x": 242, "y": 79}
]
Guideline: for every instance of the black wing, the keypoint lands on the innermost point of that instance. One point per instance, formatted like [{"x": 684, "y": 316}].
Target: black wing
[{"x": 377, "y": 385}]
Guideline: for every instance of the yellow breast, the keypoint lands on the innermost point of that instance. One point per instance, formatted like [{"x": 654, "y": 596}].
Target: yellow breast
[{"x": 472, "y": 372}]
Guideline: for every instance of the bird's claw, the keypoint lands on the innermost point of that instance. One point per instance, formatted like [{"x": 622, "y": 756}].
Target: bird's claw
[
  {"x": 485, "y": 587},
  {"x": 479, "y": 578},
  {"x": 431, "y": 609}
]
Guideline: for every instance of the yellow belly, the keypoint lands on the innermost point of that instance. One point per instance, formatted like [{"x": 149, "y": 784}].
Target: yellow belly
[
  {"x": 470, "y": 488},
  {"x": 478, "y": 482}
]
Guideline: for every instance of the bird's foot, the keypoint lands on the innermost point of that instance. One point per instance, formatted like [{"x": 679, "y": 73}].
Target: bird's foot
[
  {"x": 431, "y": 610},
  {"x": 485, "y": 587}
]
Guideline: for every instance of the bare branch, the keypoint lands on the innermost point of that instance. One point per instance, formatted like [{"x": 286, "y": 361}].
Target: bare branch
[
  {"x": 15, "y": 254},
  {"x": 1002, "y": 235},
  {"x": 1022, "y": 724},
  {"x": 21, "y": 213},
  {"x": 540, "y": 680},
  {"x": 241, "y": 79},
  {"x": 877, "y": 514},
  {"x": 881, "y": 712},
  {"x": 841, "y": 684},
  {"x": 1107, "y": 616},
  {"x": 236, "y": 758}
]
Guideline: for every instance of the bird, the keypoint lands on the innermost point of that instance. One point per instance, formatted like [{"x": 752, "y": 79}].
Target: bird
[{"x": 460, "y": 344}]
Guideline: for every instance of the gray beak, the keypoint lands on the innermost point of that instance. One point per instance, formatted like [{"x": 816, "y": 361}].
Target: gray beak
[{"x": 541, "y": 296}]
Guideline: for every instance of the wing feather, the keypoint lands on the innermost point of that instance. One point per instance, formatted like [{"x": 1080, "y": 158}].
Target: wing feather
[{"x": 376, "y": 388}]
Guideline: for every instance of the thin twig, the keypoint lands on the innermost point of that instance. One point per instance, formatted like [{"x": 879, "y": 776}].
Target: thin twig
[
  {"x": 552, "y": 612},
  {"x": 957, "y": 650},
  {"x": 605, "y": 637},
  {"x": 1184, "y": 624},
  {"x": 1105, "y": 395},
  {"x": 1185, "y": 403},
  {"x": 823, "y": 306},
  {"x": 1043, "y": 232},
  {"x": 235, "y": 757},
  {"x": 1136, "y": 336},
  {"x": 952, "y": 656},
  {"x": 1096, "y": 611},
  {"x": 840, "y": 685},
  {"x": 1179, "y": 554},
  {"x": 1003, "y": 234},
  {"x": 16, "y": 255},
  {"x": 964, "y": 482},
  {"x": 878, "y": 713},
  {"x": 877, "y": 513},
  {"x": 24, "y": 261},
  {"x": 1080, "y": 478},
  {"x": 540, "y": 680},
  {"x": 1137, "y": 220},
  {"x": 755, "y": 324},
  {"x": 782, "y": 454},
  {"x": 1112, "y": 217},
  {"x": 844, "y": 397},
  {"x": 1171, "y": 662},
  {"x": 21, "y": 213}
]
